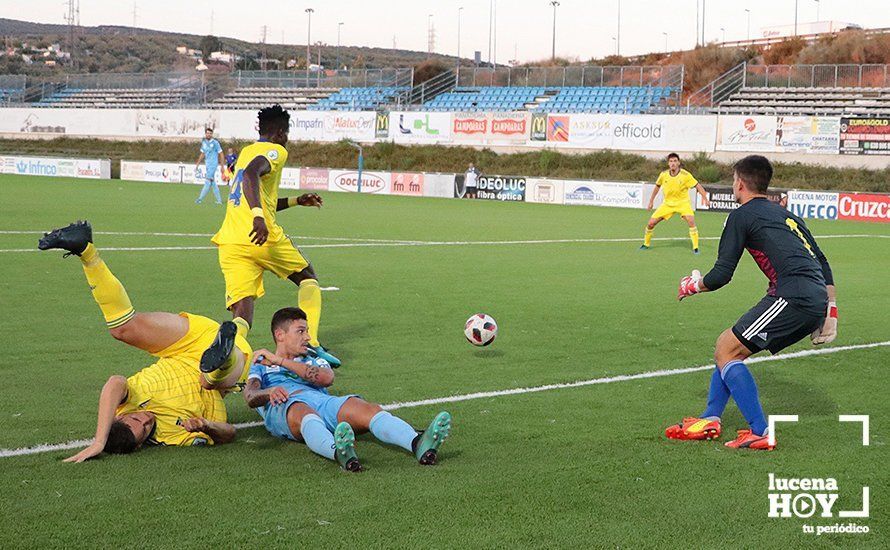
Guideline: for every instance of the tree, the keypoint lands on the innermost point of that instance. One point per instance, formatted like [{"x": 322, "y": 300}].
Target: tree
[{"x": 210, "y": 44}]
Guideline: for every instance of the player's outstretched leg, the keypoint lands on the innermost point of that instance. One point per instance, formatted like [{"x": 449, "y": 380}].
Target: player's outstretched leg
[
  {"x": 108, "y": 291},
  {"x": 647, "y": 237},
  {"x": 204, "y": 191},
  {"x": 730, "y": 355},
  {"x": 426, "y": 445}
]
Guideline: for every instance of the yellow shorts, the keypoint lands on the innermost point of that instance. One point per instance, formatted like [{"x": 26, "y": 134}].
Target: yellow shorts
[
  {"x": 666, "y": 212},
  {"x": 243, "y": 267},
  {"x": 187, "y": 351}
]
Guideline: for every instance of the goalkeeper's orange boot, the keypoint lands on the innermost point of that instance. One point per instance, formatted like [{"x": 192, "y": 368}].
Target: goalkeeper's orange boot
[
  {"x": 748, "y": 440},
  {"x": 693, "y": 428}
]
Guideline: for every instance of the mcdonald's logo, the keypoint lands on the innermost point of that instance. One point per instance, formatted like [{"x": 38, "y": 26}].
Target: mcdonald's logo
[
  {"x": 539, "y": 127},
  {"x": 381, "y": 125}
]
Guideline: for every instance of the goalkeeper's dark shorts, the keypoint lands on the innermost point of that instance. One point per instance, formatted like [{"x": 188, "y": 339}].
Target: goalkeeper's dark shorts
[{"x": 774, "y": 324}]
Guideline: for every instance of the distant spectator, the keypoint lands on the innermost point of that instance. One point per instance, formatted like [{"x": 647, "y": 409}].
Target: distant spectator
[
  {"x": 471, "y": 181},
  {"x": 212, "y": 155}
]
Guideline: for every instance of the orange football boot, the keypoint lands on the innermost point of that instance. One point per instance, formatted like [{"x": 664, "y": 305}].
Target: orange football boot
[
  {"x": 747, "y": 440},
  {"x": 693, "y": 428}
]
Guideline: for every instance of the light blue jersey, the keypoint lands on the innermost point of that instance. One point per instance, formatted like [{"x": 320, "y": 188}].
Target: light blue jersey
[
  {"x": 300, "y": 391},
  {"x": 211, "y": 149}
]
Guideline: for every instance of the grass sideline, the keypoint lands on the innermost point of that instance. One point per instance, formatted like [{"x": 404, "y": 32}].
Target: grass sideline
[
  {"x": 585, "y": 466},
  {"x": 604, "y": 165}
]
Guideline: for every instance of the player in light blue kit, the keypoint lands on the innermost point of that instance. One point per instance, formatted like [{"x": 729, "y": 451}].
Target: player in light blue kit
[
  {"x": 292, "y": 398},
  {"x": 212, "y": 155}
]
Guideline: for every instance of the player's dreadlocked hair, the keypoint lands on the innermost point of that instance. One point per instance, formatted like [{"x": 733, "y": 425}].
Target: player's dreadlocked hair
[
  {"x": 273, "y": 118},
  {"x": 120, "y": 439}
]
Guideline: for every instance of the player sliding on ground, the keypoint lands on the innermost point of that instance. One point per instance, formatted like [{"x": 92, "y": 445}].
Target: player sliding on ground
[
  {"x": 251, "y": 242},
  {"x": 800, "y": 301},
  {"x": 289, "y": 389},
  {"x": 675, "y": 183},
  {"x": 177, "y": 400}
]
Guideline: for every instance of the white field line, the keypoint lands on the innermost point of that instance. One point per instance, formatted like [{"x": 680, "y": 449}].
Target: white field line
[
  {"x": 77, "y": 444},
  {"x": 155, "y": 234},
  {"x": 364, "y": 243}
]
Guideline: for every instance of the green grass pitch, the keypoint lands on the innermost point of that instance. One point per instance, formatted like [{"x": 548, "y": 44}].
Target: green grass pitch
[{"x": 583, "y": 467}]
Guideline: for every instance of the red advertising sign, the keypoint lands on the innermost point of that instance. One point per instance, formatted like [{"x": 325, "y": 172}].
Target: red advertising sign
[
  {"x": 407, "y": 184},
  {"x": 314, "y": 179},
  {"x": 508, "y": 126},
  {"x": 864, "y": 207},
  {"x": 470, "y": 125}
]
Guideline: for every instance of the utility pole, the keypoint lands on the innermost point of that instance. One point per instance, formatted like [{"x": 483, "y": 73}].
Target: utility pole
[
  {"x": 264, "y": 33},
  {"x": 665, "y": 41},
  {"x": 459, "y": 10},
  {"x": 697, "y": 5},
  {"x": 339, "y": 26},
  {"x": 308, "y": 42},
  {"x": 748, "y": 27},
  {"x": 703, "y": 23},
  {"x": 817, "y": 9},
  {"x": 795, "y": 17},
  {"x": 430, "y": 36},
  {"x": 494, "y": 32},
  {"x": 554, "y": 3}
]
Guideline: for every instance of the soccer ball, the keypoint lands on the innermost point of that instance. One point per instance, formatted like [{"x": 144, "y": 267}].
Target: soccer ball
[{"x": 480, "y": 329}]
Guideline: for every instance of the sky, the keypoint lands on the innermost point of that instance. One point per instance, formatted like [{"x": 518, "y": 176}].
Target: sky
[{"x": 584, "y": 29}]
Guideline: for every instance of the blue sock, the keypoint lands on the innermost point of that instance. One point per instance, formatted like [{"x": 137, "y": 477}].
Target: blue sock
[
  {"x": 741, "y": 384},
  {"x": 718, "y": 396},
  {"x": 216, "y": 192},
  {"x": 317, "y": 436},
  {"x": 393, "y": 430},
  {"x": 204, "y": 191}
]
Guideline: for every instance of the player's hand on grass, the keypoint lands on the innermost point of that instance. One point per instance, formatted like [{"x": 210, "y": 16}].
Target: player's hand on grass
[
  {"x": 93, "y": 450},
  {"x": 260, "y": 232},
  {"x": 310, "y": 199},
  {"x": 277, "y": 395},
  {"x": 266, "y": 358},
  {"x": 689, "y": 285},
  {"x": 828, "y": 331},
  {"x": 196, "y": 424}
]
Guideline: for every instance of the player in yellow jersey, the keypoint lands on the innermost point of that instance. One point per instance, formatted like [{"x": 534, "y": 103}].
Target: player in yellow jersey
[
  {"x": 177, "y": 400},
  {"x": 250, "y": 240},
  {"x": 675, "y": 183}
]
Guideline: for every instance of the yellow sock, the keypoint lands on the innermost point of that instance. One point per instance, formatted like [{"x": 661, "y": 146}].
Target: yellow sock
[
  {"x": 243, "y": 326},
  {"x": 693, "y": 234},
  {"x": 108, "y": 292},
  {"x": 647, "y": 239},
  {"x": 309, "y": 300}
]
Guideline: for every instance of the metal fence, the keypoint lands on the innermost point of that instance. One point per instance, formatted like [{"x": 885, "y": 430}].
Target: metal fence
[
  {"x": 351, "y": 78},
  {"x": 654, "y": 75},
  {"x": 817, "y": 76}
]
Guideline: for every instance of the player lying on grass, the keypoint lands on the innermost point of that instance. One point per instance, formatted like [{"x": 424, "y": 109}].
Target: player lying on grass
[
  {"x": 250, "y": 240},
  {"x": 289, "y": 389},
  {"x": 801, "y": 291},
  {"x": 177, "y": 400}
]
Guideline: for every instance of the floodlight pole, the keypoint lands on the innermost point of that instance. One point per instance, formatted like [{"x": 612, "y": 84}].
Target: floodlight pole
[
  {"x": 748, "y": 28},
  {"x": 554, "y": 3},
  {"x": 339, "y": 26},
  {"x": 795, "y": 17},
  {"x": 308, "y": 42},
  {"x": 361, "y": 163}
]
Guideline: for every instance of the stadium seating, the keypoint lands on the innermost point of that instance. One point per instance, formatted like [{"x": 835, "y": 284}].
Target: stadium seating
[
  {"x": 358, "y": 99},
  {"x": 808, "y": 101},
  {"x": 141, "y": 98},
  {"x": 601, "y": 99},
  {"x": 289, "y": 98}
]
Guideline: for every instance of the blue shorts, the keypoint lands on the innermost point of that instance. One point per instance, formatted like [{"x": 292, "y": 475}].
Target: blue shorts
[{"x": 327, "y": 407}]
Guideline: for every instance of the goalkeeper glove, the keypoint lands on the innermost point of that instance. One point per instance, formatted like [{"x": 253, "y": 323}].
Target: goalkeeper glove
[
  {"x": 828, "y": 331},
  {"x": 689, "y": 285}
]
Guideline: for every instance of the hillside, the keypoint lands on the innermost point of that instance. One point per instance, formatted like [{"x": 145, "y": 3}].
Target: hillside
[{"x": 112, "y": 49}]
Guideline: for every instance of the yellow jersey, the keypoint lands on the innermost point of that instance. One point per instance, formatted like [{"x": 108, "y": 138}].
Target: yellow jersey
[
  {"x": 238, "y": 223},
  {"x": 171, "y": 389},
  {"x": 676, "y": 188}
]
